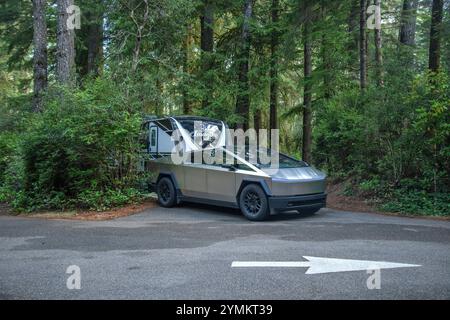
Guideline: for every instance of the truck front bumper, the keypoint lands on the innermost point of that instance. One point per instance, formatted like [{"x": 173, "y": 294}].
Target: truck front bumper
[{"x": 291, "y": 203}]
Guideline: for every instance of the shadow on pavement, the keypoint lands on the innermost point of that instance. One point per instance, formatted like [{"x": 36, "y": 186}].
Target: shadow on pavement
[{"x": 236, "y": 213}]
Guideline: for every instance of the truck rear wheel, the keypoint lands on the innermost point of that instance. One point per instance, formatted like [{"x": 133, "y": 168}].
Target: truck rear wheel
[{"x": 167, "y": 196}]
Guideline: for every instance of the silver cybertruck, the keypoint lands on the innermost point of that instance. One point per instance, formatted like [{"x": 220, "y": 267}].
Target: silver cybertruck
[{"x": 241, "y": 181}]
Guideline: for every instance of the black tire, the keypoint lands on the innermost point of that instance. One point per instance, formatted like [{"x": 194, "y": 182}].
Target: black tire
[
  {"x": 253, "y": 203},
  {"x": 167, "y": 195}
]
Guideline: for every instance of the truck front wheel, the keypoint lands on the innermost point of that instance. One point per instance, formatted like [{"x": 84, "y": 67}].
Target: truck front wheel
[{"x": 253, "y": 203}]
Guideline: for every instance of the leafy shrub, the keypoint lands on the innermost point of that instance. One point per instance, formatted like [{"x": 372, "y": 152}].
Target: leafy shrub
[
  {"x": 418, "y": 202},
  {"x": 82, "y": 151},
  {"x": 12, "y": 182},
  {"x": 344, "y": 139},
  {"x": 402, "y": 154},
  {"x": 102, "y": 200},
  {"x": 430, "y": 130},
  {"x": 11, "y": 169},
  {"x": 5, "y": 151}
]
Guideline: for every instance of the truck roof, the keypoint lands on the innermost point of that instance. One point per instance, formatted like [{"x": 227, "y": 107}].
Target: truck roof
[{"x": 181, "y": 118}]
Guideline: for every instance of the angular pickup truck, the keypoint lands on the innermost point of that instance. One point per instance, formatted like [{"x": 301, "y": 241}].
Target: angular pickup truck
[{"x": 243, "y": 182}]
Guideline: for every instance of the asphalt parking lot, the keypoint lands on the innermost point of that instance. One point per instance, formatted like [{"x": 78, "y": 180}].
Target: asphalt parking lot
[{"x": 188, "y": 252}]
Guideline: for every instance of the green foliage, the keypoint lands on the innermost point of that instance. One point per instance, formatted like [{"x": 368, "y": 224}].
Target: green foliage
[
  {"x": 394, "y": 147},
  {"x": 410, "y": 197},
  {"x": 16, "y": 29},
  {"x": 341, "y": 135},
  {"x": 82, "y": 151},
  {"x": 431, "y": 124},
  {"x": 390, "y": 142},
  {"x": 418, "y": 203},
  {"x": 6, "y": 150},
  {"x": 11, "y": 186},
  {"x": 101, "y": 200}
]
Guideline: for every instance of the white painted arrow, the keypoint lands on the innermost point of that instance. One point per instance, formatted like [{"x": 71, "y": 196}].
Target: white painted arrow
[{"x": 324, "y": 265}]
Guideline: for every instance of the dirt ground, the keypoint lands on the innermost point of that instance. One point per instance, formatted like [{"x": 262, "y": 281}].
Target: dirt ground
[
  {"x": 85, "y": 215},
  {"x": 338, "y": 201},
  {"x": 4, "y": 209}
]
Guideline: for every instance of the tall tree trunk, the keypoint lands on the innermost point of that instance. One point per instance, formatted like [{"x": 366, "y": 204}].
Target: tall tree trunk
[
  {"x": 436, "y": 34},
  {"x": 353, "y": 39},
  {"x": 40, "y": 73},
  {"x": 95, "y": 45},
  {"x": 89, "y": 49},
  {"x": 363, "y": 44},
  {"x": 307, "y": 96},
  {"x": 186, "y": 49},
  {"x": 274, "y": 66},
  {"x": 257, "y": 122},
  {"x": 326, "y": 68},
  {"x": 243, "y": 96},
  {"x": 159, "y": 105},
  {"x": 407, "y": 34},
  {"x": 353, "y": 17},
  {"x": 207, "y": 46},
  {"x": 65, "y": 45},
  {"x": 325, "y": 53},
  {"x": 207, "y": 27},
  {"x": 140, "y": 33},
  {"x": 378, "y": 46}
]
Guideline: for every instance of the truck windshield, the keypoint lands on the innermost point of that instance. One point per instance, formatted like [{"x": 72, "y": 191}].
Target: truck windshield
[{"x": 258, "y": 158}]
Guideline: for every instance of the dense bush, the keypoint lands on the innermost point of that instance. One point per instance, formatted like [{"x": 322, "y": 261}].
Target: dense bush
[
  {"x": 402, "y": 153},
  {"x": 418, "y": 202},
  {"x": 6, "y": 150},
  {"x": 82, "y": 152},
  {"x": 342, "y": 137}
]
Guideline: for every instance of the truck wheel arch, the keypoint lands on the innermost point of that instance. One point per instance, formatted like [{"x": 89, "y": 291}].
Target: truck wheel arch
[
  {"x": 261, "y": 183},
  {"x": 171, "y": 176}
]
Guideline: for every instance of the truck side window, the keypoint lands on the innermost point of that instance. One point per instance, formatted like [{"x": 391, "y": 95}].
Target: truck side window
[{"x": 153, "y": 137}]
